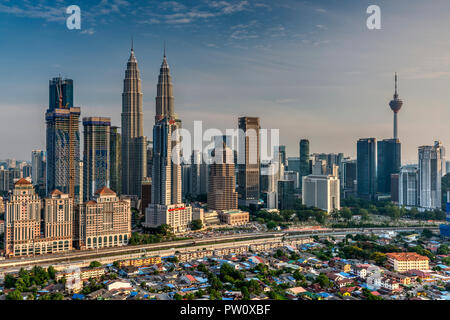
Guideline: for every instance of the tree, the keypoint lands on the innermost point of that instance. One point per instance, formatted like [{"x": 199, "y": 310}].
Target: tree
[
  {"x": 427, "y": 233},
  {"x": 177, "y": 296},
  {"x": 14, "y": 295},
  {"x": 346, "y": 213},
  {"x": 165, "y": 230},
  {"x": 271, "y": 225},
  {"x": 443, "y": 249},
  {"x": 364, "y": 214},
  {"x": 320, "y": 216},
  {"x": 10, "y": 281},
  {"x": 51, "y": 272},
  {"x": 95, "y": 264},
  {"x": 323, "y": 280},
  {"x": 196, "y": 224}
]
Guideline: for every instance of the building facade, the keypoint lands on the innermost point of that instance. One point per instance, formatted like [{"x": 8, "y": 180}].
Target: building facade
[
  {"x": 388, "y": 162},
  {"x": 249, "y": 161},
  {"x": 408, "y": 186},
  {"x": 134, "y": 143},
  {"x": 321, "y": 191},
  {"x": 367, "y": 168},
  {"x": 431, "y": 169},
  {"x": 221, "y": 192},
  {"x": 96, "y": 159},
  {"x": 63, "y": 139},
  {"x": 104, "y": 221},
  {"x": 115, "y": 152}
]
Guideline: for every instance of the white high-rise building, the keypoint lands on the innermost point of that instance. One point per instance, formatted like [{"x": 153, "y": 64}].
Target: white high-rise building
[
  {"x": 321, "y": 191},
  {"x": 431, "y": 170},
  {"x": 408, "y": 186}
]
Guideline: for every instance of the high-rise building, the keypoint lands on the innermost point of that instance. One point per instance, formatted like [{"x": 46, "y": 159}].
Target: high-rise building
[
  {"x": 149, "y": 158},
  {"x": 286, "y": 197},
  {"x": 96, "y": 158},
  {"x": 134, "y": 143},
  {"x": 431, "y": 169},
  {"x": 221, "y": 192},
  {"x": 349, "y": 177},
  {"x": 389, "y": 162},
  {"x": 408, "y": 186},
  {"x": 304, "y": 160},
  {"x": 104, "y": 221},
  {"x": 115, "y": 152},
  {"x": 38, "y": 164},
  {"x": 63, "y": 139},
  {"x": 249, "y": 161},
  {"x": 4, "y": 180},
  {"x": 60, "y": 93},
  {"x": 395, "y": 180},
  {"x": 166, "y": 206},
  {"x": 367, "y": 168},
  {"x": 23, "y": 235},
  {"x": 293, "y": 176},
  {"x": 321, "y": 191},
  {"x": 146, "y": 193},
  {"x": 58, "y": 218},
  {"x": 195, "y": 174},
  {"x": 22, "y": 220},
  {"x": 283, "y": 157}
]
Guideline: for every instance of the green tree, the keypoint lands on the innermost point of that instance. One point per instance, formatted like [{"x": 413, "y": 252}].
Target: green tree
[
  {"x": 10, "y": 281},
  {"x": 51, "y": 272},
  {"x": 196, "y": 224},
  {"x": 14, "y": 295},
  {"x": 443, "y": 249},
  {"x": 95, "y": 264},
  {"x": 346, "y": 213}
]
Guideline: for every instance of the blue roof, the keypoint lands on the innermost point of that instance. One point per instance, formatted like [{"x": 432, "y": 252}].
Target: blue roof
[
  {"x": 227, "y": 299},
  {"x": 324, "y": 294},
  {"x": 133, "y": 293},
  {"x": 188, "y": 289},
  {"x": 344, "y": 274},
  {"x": 170, "y": 285},
  {"x": 78, "y": 296}
]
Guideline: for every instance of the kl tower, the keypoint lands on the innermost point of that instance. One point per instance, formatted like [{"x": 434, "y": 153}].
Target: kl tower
[{"x": 396, "y": 104}]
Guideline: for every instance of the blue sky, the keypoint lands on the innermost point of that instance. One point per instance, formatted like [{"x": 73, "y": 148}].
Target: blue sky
[{"x": 310, "y": 68}]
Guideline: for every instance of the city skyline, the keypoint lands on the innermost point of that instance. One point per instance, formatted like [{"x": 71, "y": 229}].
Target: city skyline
[{"x": 357, "y": 92}]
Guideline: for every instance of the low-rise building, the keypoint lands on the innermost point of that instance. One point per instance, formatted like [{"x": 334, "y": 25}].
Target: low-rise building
[
  {"x": 234, "y": 217},
  {"x": 404, "y": 261}
]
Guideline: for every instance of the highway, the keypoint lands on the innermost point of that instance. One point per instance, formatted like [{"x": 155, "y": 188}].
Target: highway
[{"x": 117, "y": 253}]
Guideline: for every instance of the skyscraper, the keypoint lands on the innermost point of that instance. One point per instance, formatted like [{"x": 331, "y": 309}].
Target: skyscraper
[
  {"x": 221, "y": 191},
  {"x": 321, "y": 191},
  {"x": 408, "y": 186},
  {"x": 431, "y": 169},
  {"x": 63, "y": 139},
  {"x": 38, "y": 164},
  {"x": 96, "y": 158},
  {"x": 389, "y": 162},
  {"x": 286, "y": 198},
  {"x": 116, "y": 160},
  {"x": 166, "y": 201},
  {"x": 249, "y": 161},
  {"x": 304, "y": 160},
  {"x": 134, "y": 144},
  {"x": 367, "y": 168}
]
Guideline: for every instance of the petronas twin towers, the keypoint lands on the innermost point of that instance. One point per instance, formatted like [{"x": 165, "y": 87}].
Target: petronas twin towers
[
  {"x": 134, "y": 143},
  {"x": 166, "y": 184}
]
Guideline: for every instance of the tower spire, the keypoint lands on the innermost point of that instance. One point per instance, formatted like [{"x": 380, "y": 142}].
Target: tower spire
[
  {"x": 164, "y": 48},
  {"x": 132, "y": 44}
]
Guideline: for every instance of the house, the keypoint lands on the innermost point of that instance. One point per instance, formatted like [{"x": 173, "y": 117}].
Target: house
[
  {"x": 295, "y": 291},
  {"x": 119, "y": 285}
]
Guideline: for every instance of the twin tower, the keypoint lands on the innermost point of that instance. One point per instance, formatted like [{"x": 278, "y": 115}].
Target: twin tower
[{"x": 134, "y": 143}]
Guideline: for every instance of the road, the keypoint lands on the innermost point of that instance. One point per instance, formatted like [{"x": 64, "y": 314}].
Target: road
[{"x": 14, "y": 264}]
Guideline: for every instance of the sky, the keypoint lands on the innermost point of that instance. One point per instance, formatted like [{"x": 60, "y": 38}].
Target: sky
[{"x": 309, "y": 68}]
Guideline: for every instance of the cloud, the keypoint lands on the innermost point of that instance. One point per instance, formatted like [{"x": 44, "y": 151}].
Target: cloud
[{"x": 89, "y": 31}]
